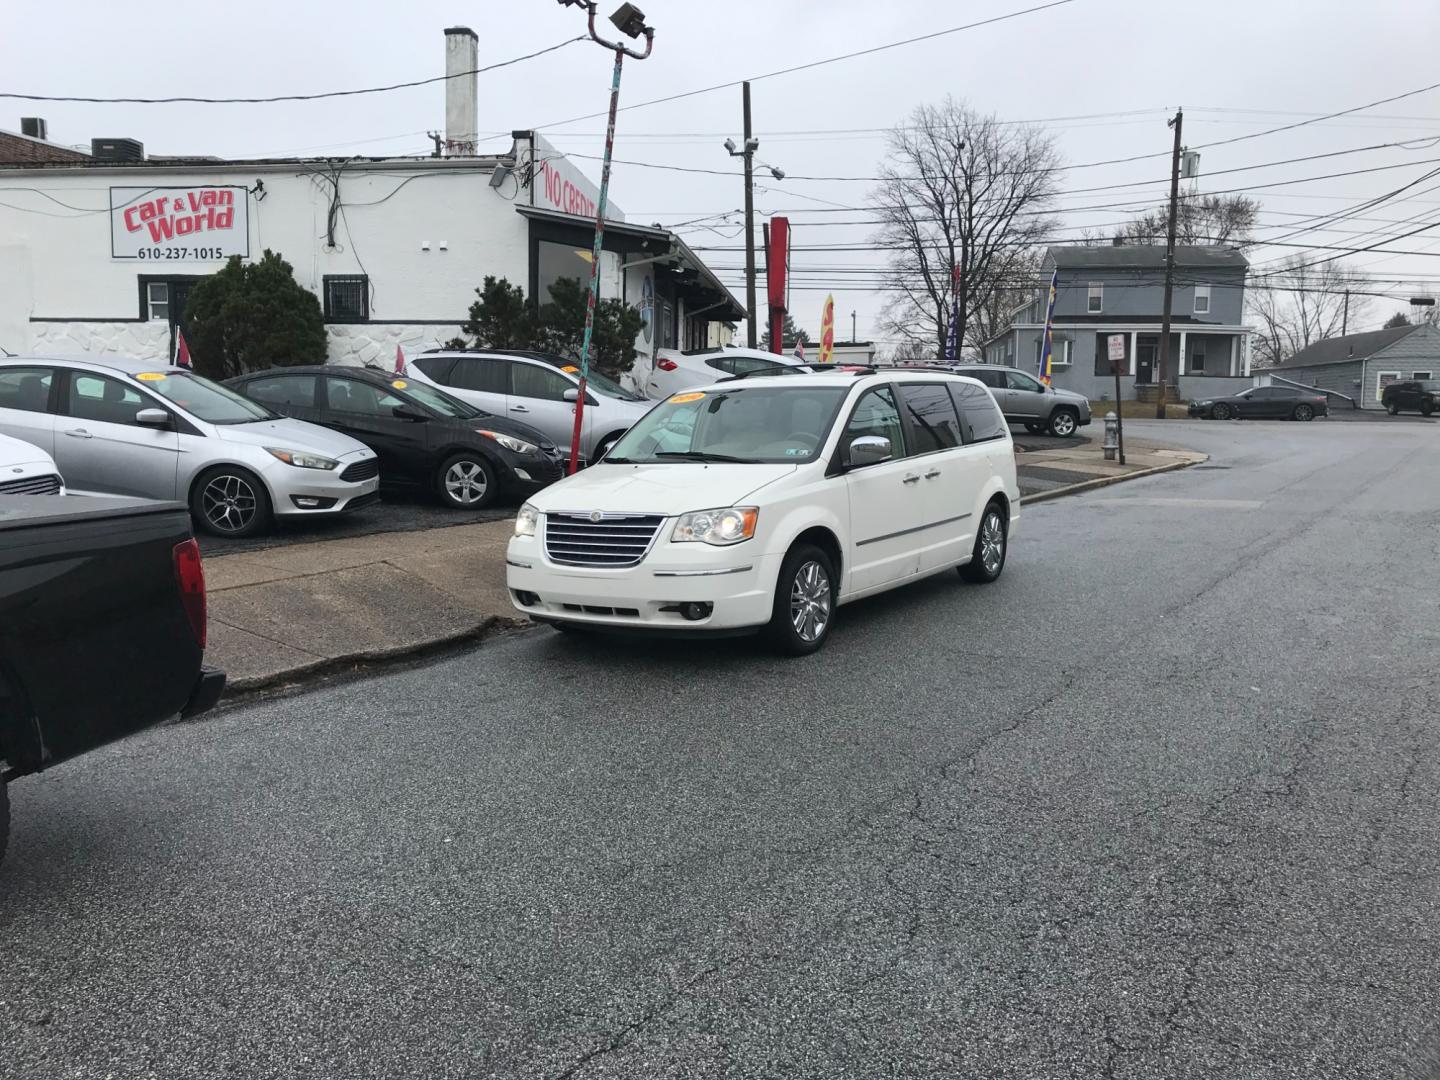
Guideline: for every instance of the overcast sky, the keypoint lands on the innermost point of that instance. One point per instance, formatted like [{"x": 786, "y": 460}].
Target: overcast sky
[{"x": 1237, "y": 68}]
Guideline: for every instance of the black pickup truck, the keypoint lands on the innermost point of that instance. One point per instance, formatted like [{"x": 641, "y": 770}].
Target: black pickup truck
[{"x": 102, "y": 627}]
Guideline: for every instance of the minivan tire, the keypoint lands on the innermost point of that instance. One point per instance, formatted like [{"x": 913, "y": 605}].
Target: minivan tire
[
  {"x": 807, "y": 578},
  {"x": 243, "y": 494},
  {"x": 467, "y": 481},
  {"x": 1064, "y": 423},
  {"x": 978, "y": 570}
]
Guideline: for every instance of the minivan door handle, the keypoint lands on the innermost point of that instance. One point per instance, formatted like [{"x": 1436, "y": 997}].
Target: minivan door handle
[
  {"x": 79, "y": 433},
  {"x": 910, "y": 478}
]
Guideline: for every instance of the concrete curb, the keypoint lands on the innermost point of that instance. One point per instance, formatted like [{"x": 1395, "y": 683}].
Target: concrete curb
[
  {"x": 1106, "y": 481},
  {"x": 238, "y": 691}
]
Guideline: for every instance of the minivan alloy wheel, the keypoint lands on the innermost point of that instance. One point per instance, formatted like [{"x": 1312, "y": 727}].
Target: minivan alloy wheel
[
  {"x": 992, "y": 542},
  {"x": 466, "y": 482},
  {"x": 810, "y": 601},
  {"x": 228, "y": 503}
]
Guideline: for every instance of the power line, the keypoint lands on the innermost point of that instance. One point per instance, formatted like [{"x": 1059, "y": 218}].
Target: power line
[
  {"x": 815, "y": 63},
  {"x": 291, "y": 97}
]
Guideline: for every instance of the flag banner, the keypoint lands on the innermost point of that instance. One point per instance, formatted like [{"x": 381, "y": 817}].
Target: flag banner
[
  {"x": 399, "y": 360},
  {"x": 827, "y": 331},
  {"x": 799, "y": 350},
  {"x": 182, "y": 350},
  {"x": 1047, "y": 343}
]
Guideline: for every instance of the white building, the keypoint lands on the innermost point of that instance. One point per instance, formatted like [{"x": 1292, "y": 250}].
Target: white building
[{"x": 97, "y": 252}]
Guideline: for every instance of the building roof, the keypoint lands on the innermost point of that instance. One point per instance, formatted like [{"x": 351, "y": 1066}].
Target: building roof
[
  {"x": 1337, "y": 350},
  {"x": 1144, "y": 256},
  {"x": 16, "y": 149}
]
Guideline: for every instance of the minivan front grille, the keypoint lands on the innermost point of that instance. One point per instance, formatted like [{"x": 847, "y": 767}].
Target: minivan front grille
[
  {"x": 600, "y": 540},
  {"x": 49, "y": 484}
]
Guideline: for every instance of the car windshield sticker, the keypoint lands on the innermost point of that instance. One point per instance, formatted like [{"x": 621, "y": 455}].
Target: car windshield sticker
[
  {"x": 399, "y": 384},
  {"x": 681, "y": 399},
  {"x": 150, "y": 376},
  {"x": 570, "y": 369}
]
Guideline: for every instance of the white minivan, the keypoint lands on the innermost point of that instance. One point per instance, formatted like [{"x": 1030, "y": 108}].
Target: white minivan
[{"x": 763, "y": 503}]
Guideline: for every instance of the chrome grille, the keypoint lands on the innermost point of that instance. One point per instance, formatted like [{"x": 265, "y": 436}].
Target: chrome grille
[
  {"x": 48, "y": 484},
  {"x": 614, "y": 540}
]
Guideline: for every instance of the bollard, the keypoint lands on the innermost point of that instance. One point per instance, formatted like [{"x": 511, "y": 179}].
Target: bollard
[{"x": 1112, "y": 433}]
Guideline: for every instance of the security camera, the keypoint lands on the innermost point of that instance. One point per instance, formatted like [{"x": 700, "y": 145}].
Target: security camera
[
  {"x": 730, "y": 145},
  {"x": 778, "y": 174},
  {"x": 752, "y": 145}
]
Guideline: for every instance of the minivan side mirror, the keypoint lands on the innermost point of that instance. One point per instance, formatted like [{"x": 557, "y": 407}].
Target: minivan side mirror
[
  {"x": 153, "y": 418},
  {"x": 867, "y": 450}
]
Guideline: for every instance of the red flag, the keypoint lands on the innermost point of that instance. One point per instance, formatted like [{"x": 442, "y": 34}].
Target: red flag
[
  {"x": 399, "y": 360},
  {"x": 182, "y": 351}
]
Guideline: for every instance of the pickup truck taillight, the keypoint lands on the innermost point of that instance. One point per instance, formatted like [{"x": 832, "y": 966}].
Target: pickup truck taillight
[{"x": 191, "y": 577}]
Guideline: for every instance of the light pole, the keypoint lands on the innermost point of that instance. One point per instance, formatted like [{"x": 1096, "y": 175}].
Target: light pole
[
  {"x": 630, "y": 21},
  {"x": 748, "y": 153}
]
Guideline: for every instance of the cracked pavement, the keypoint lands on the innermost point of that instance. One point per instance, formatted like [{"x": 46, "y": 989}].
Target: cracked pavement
[{"x": 1163, "y": 802}]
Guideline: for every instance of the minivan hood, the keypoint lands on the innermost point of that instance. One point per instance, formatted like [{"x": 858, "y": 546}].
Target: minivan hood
[
  {"x": 288, "y": 434},
  {"x": 658, "y": 489}
]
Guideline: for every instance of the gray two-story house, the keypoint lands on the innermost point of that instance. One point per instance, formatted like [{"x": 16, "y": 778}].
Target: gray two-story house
[{"x": 1119, "y": 290}]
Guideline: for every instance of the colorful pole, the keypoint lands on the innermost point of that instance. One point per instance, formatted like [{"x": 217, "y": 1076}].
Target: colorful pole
[{"x": 1047, "y": 342}]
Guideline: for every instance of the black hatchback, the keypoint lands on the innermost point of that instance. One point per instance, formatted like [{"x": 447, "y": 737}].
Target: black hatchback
[{"x": 422, "y": 437}]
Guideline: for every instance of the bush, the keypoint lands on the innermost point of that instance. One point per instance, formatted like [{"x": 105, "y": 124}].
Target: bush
[{"x": 249, "y": 317}]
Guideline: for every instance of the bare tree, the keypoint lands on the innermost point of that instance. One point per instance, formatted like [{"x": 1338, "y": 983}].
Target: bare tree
[
  {"x": 1302, "y": 302},
  {"x": 1201, "y": 219},
  {"x": 961, "y": 194}
]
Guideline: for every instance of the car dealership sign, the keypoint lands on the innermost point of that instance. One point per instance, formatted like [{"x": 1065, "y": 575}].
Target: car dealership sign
[{"x": 206, "y": 223}]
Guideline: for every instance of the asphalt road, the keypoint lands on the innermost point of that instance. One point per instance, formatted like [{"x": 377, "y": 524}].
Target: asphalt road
[{"x": 1162, "y": 802}]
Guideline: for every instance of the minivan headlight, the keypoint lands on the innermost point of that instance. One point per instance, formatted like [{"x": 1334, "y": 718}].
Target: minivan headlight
[
  {"x": 302, "y": 460},
  {"x": 526, "y": 520},
  {"x": 728, "y": 525}
]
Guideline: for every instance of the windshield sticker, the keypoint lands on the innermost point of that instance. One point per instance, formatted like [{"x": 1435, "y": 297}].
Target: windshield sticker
[
  {"x": 681, "y": 399},
  {"x": 399, "y": 384},
  {"x": 570, "y": 369},
  {"x": 150, "y": 376}
]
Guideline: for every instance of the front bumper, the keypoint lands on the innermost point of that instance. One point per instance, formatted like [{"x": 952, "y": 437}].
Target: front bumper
[
  {"x": 316, "y": 492},
  {"x": 737, "y": 582},
  {"x": 534, "y": 471}
]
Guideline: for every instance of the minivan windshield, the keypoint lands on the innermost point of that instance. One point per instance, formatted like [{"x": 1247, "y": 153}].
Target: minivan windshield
[
  {"x": 742, "y": 424},
  {"x": 205, "y": 400}
]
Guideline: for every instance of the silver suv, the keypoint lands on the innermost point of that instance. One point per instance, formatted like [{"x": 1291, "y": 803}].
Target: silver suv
[
  {"x": 539, "y": 389},
  {"x": 1024, "y": 399}
]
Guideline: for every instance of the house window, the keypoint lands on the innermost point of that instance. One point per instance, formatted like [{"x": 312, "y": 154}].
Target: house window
[
  {"x": 1197, "y": 356},
  {"x": 1422, "y": 374},
  {"x": 347, "y": 297},
  {"x": 1059, "y": 353},
  {"x": 1202, "y": 299},
  {"x": 1096, "y": 301},
  {"x": 157, "y": 300}
]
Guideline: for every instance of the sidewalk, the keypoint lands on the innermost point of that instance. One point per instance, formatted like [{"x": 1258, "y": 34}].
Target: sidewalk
[
  {"x": 290, "y": 613},
  {"x": 1048, "y": 473}
]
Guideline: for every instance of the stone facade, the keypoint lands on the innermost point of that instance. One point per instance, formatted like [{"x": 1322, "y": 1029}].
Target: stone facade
[
  {"x": 358, "y": 344},
  {"x": 142, "y": 340}
]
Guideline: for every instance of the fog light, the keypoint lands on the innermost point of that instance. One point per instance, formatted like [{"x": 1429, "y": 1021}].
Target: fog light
[
  {"x": 694, "y": 610},
  {"x": 525, "y": 598},
  {"x": 523, "y": 475}
]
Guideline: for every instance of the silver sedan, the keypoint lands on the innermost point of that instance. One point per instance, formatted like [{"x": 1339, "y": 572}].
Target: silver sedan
[{"x": 119, "y": 426}]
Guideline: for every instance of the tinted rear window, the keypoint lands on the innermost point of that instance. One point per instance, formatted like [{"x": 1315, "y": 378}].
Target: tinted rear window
[{"x": 980, "y": 417}]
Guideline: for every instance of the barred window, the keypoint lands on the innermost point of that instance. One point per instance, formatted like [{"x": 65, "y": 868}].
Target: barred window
[{"x": 347, "y": 298}]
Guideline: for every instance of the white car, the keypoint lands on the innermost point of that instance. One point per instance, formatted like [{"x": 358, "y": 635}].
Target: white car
[
  {"x": 27, "y": 470},
  {"x": 120, "y": 426},
  {"x": 764, "y": 503},
  {"x": 539, "y": 389},
  {"x": 675, "y": 371}
]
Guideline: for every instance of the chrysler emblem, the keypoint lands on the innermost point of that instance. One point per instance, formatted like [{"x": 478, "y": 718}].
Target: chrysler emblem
[{"x": 595, "y": 515}]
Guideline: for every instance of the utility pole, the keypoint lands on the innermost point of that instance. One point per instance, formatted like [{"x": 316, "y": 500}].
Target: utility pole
[
  {"x": 1345, "y": 317},
  {"x": 750, "y": 145},
  {"x": 1169, "y": 264},
  {"x": 630, "y": 21}
]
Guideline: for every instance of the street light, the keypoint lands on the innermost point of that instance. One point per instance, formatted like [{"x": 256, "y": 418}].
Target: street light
[
  {"x": 630, "y": 21},
  {"x": 748, "y": 154}
]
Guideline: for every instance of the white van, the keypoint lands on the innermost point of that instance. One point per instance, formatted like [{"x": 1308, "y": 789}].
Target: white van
[{"x": 763, "y": 503}]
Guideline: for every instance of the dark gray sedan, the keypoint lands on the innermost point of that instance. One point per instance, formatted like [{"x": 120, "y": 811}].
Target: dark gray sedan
[{"x": 1264, "y": 403}]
